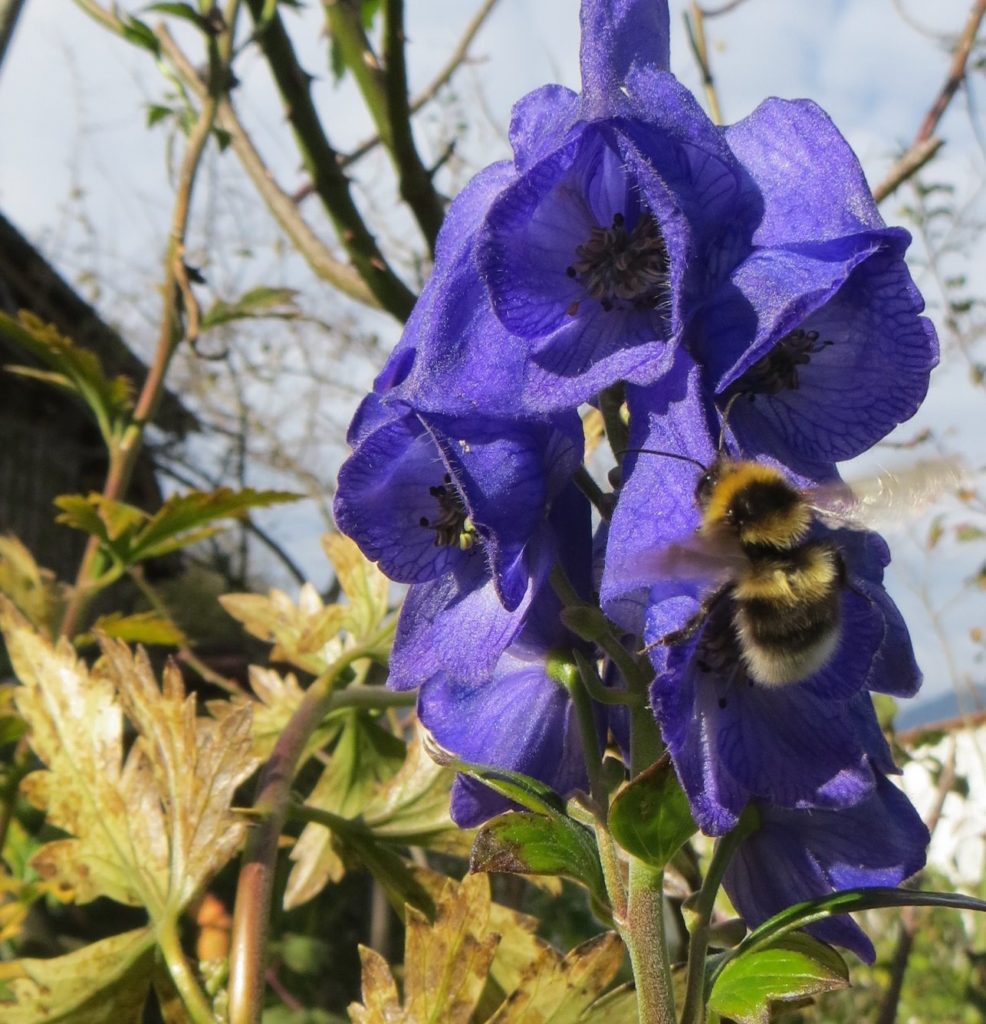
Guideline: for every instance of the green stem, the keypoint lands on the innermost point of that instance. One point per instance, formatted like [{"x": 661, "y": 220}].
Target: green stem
[
  {"x": 643, "y": 933},
  {"x": 693, "y": 1011},
  {"x": 617, "y": 431},
  {"x": 196, "y": 1003},
  {"x": 591, "y": 751},
  {"x": 643, "y": 928},
  {"x": 371, "y": 698},
  {"x": 255, "y": 886},
  {"x": 599, "y": 692},
  {"x": 602, "y": 502}
]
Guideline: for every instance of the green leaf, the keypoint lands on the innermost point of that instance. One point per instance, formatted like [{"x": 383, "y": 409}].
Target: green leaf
[
  {"x": 73, "y": 367},
  {"x": 103, "y": 983},
  {"x": 519, "y": 842},
  {"x": 515, "y": 786},
  {"x": 257, "y": 302},
  {"x": 180, "y": 10},
  {"x": 790, "y": 969},
  {"x": 650, "y": 817},
  {"x": 185, "y": 512},
  {"x": 141, "y": 35},
  {"x": 148, "y": 628},
  {"x": 157, "y": 113},
  {"x": 847, "y": 902},
  {"x": 965, "y": 532},
  {"x": 365, "y": 757}
]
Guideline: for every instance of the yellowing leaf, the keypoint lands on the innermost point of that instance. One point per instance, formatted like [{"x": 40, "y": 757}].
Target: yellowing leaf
[
  {"x": 446, "y": 963},
  {"x": 277, "y": 700},
  {"x": 33, "y": 589},
  {"x": 149, "y": 829},
  {"x": 557, "y": 989},
  {"x": 365, "y": 586},
  {"x": 103, "y": 983},
  {"x": 309, "y": 633},
  {"x": 364, "y": 757},
  {"x": 148, "y": 628},
  {"x": 304, "y": 634}
]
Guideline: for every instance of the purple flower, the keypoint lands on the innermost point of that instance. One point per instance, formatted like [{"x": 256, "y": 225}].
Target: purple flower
[
  {"x": 801, "y": 855},
  {"x": 734, "y": 739},
  {"x": 426, "y": 495},
  {"x": 580, "y": 264},
  {"x": 819, "y": 326},
  {"x": 503, "y": 705}
]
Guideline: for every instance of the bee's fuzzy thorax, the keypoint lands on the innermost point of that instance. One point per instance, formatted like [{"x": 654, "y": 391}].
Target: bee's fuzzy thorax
[{"x": 758, "y": 503}]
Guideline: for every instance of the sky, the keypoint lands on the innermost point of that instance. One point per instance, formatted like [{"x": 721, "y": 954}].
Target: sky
[{"x": 81, "y": 175}]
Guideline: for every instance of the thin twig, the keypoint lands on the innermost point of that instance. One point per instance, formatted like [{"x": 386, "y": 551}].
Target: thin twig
[
  {"x": 457, "y": 58},
  {"x": 908, "y": 926},
  {"x": 695, "y": 26},
  {"x": 924, "y": 146},
  {"x": 322, "y": 163},
  {"x": 124, "y": 453},
  {"x": 281, "y": 205},
  {"x": 724, "y": 9}
]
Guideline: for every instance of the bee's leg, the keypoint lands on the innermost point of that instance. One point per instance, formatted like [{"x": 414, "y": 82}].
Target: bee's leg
[{"x": 694, "y": 623}]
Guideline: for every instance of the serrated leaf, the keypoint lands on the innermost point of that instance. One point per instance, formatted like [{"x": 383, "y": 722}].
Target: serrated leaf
[
  {"x": 78, "y": 368},
  {"x": 186, "y": 512},
  {"x": 650, "y": 817},
  {"x": 278, "y": 698},
  {"x": 148, "y": 829},
  {"x": 557, "y": 990},
  {"x": 519, "y": 842},
  {"x": 445, "y": 965},
  {"x": 102, "y": 983},
  {"x": 156, "y": 113},
  {"x": 305, "y": 634},
  {"x": 33, "y": 590},
  {"x": 147, "y": 628},
  {"x": 519, "y": 945},
  {"x": 365, "y": 756},
  {"x": 365, "y": 586},
  {"x": 412, "y": 807},
  {"x": 789, "y": 969},
  {"x": 257, "y": 302}
]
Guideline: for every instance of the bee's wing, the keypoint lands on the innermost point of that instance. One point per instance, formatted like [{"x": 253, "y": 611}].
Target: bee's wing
[
  {"x": 889, "y": 499},
  {"x": 698, "y": 558}
]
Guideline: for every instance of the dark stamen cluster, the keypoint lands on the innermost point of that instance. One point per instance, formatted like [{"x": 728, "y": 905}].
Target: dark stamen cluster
[
  {"x": 778, "y": 370},
  {"x": 453, "y": 528},
  {"x": 614, "y": 264}
]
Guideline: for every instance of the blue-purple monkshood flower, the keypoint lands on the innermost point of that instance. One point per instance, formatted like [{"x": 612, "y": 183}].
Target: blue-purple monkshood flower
[
  {"x": 798, "y": 855},
  {"x": 580, "y": 264},
  {"x": 517, "y": 714},
  {"x": 427, "y": 495},
  {"x": 819, "y": 327},
  {"x": 800, "y": 744}
]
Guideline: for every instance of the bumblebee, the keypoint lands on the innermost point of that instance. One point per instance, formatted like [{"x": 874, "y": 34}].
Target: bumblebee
[
  {"x": 784, "y": 590},
  {"x": 782, "y": 586}
]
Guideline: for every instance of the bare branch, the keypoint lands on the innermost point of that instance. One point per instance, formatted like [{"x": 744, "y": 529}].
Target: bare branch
[
  {"x": 924, "y": 146},
  {"x": 340, "y": 275},
  {"x": 322, "y": 162}
]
